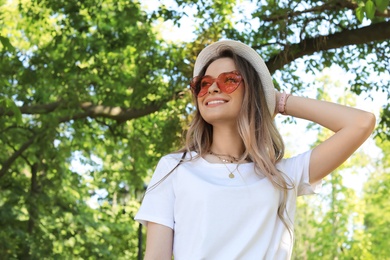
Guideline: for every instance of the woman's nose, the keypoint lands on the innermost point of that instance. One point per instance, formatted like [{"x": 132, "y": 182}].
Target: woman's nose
[{"x": 214, "y": 88}]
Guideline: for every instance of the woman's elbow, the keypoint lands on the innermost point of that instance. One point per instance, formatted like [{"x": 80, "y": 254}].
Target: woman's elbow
[{"x": 367, "y": 123}]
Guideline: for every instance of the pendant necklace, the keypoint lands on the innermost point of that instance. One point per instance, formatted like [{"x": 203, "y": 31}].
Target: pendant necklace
[
  {"x": 231, "y": 174},
  {"x": 224, "y": 161}
]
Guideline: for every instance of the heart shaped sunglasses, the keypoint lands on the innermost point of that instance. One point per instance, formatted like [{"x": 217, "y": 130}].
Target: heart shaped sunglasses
[{"x": 227, "y": 82}]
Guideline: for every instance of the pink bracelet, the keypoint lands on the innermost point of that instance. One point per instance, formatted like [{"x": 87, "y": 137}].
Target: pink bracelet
[{"x": 282, "y": 103}]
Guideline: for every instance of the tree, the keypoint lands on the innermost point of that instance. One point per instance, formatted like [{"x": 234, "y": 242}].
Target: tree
[
  {"x": 76, "y": 84},
  {"x": 96, "y": 81},
  {"x": 352, "y": 34},
  {"x": 377, "y": 205},
  {"x": 331, "y": 225}
]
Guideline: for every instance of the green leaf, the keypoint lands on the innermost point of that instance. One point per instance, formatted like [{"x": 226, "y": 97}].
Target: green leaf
[
  {"x": 10, "y": 105},
  {"x": 7, "y": 44},
  {"x": 382, "y": 5},
  {"x": 360, "y": 14},
  {"x": 370, "y": 9}
]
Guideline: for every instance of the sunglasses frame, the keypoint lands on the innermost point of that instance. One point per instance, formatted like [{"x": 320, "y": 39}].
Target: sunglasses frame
[{"x": 195, "y": 83}]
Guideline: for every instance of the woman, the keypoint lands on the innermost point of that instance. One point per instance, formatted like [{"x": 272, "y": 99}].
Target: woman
[{"x": 230, "y": 194}]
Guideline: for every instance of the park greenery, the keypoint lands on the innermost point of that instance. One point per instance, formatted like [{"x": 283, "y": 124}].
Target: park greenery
[{"x": 92, "y": 95}]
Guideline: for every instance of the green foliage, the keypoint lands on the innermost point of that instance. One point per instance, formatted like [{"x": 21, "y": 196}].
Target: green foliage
[
  {"x": 339, "y": 223},
  {"x": 370, "y": 8},
  {"x": 96, "y": 82},
  {"x": 9, "y": 105},
  {"x": 60, "y": 57},
  {"x": 377, "y": 214}
]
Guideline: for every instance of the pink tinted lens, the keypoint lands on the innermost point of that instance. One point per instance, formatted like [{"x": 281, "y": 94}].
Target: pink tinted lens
[{"x": 227, "y": 82}]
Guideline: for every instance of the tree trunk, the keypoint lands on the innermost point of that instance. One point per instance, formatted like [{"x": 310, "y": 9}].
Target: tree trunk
[{"x": 32, "y": 212}]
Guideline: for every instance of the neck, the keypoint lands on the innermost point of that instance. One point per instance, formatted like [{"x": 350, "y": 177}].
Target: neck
[{"x": 227, "y": 141}]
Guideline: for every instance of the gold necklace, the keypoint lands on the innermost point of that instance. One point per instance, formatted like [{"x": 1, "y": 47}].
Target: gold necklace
[
  {"x": 232, "y": 158},
  {"x": 224, "y": 161},
  {"x": 231, "y": 174}
]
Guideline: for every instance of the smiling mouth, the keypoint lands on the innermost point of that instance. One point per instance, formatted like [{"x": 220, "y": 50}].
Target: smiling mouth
[{"x": 214, "y": 102}]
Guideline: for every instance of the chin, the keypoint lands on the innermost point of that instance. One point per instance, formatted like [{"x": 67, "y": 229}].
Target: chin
[{"x": 214, "y": 120}]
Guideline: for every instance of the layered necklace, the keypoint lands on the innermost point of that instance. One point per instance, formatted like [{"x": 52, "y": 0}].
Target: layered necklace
[{"x": 231, "y": 159}]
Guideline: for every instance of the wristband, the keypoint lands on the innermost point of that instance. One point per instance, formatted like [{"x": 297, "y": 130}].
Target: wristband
[{"x": 282, "y": 103}]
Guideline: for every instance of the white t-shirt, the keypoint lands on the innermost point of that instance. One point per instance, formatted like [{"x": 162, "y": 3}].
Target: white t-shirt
[{"x": 215, "y": 217}]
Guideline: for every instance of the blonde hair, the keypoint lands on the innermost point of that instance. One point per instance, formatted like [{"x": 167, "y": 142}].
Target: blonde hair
[{"x": 263, "y": 143}]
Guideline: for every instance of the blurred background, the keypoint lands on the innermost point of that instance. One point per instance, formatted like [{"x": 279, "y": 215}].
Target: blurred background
[{"x": 93, "y": 93}]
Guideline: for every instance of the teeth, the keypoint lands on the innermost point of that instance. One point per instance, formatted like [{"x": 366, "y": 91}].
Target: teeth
[{"x": 216, "y": 102}]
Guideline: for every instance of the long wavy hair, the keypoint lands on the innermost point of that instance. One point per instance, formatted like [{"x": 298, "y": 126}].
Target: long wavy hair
[{"x": 262, "y": 141}]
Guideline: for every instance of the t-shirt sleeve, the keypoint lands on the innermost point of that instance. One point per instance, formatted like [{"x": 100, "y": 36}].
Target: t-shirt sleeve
[
  {"x": 157, "y": 204},
  {"x": 297, "y": 169}
]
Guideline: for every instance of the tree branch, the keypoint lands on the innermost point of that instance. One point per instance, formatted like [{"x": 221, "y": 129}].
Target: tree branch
[
  {"x": 116, "y": 113},
  {"x": 330, "y": 6},
  {"x": 34, "y": 109},
  {"x": 7, "y": 164},
  {"x": 374, "y": 32}
]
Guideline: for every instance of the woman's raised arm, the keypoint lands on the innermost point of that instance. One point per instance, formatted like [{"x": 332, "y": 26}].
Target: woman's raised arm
[{"x": 351, "y": 126}]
